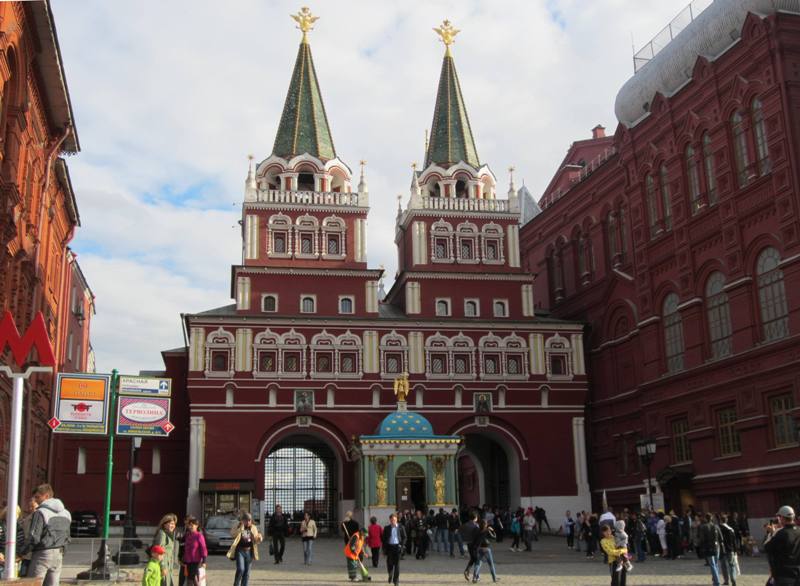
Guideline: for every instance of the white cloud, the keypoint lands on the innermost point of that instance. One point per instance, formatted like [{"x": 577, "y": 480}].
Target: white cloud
[{"x": 171, "y": 96}]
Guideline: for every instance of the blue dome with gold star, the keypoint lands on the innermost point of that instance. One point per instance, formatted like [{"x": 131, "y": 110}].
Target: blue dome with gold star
[{"x": 405, "y": 424}]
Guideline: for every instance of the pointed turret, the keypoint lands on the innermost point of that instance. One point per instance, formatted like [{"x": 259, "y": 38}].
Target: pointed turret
[
  {"x": 304, "y": 124},
  {"x": 250, "y": 187},
  {"x": 451, "y": 136}
]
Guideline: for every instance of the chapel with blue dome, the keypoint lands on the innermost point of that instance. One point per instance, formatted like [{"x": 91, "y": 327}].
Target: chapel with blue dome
[{"x": 405, "y": 465}]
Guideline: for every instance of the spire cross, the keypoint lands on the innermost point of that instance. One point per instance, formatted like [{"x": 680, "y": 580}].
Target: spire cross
[
  {"x": 447, "y": 33},
  {"x": 305, "y": 21},
  {"x": 414, "y": 166},
  {"x": 363, "y": 163}
]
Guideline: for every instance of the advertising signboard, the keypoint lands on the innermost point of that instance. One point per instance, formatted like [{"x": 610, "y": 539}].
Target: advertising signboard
[
  {"x": 143, "y": 416},
  {"x": 81, "y": 403}
]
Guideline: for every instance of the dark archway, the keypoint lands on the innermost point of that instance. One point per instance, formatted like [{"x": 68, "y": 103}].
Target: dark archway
[
  {"x": 300, "y": 475},
  {"x": 483, "y": 472}
]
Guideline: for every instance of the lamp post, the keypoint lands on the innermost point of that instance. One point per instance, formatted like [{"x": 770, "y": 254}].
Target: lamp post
[{"x": 646, "y": 448}]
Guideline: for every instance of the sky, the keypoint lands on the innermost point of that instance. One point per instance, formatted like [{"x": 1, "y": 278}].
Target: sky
[{"x": 171, "y": 97}]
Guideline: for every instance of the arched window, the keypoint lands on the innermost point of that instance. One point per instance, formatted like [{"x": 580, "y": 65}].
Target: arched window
[
  {"x": 307, "y": 305},
  {"x": 346, "y": 305},
  {"x": 652, "y": 205},
  {"x": 442, "y": 307},
  {"x": 740, "y": 149},
  {"x": 772, "y": 296},
  {"x": 623, "y": 233},
  {"x": 708, "y": 163},
  {"x": 305, "y": 182},
  {"x": 558, "y": 274},
  {"x": 270, "y": 303},
  {"x": 760, "y": 132},
  {"x": 471, "y": 308},
  {"x": 673, "y": 334},
  {"x": 693, "y": 177},
  {"x": 665, "y": 199},
  {"x": 719, "y": 316}
]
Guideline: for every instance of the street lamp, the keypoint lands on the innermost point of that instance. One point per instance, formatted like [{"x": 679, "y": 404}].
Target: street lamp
[{"x": 646, "y": 448}]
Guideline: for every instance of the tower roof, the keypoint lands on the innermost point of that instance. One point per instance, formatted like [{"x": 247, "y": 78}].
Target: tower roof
[
  {"x": 451, "y": 135},
  {"x": 304, "y": 124}
]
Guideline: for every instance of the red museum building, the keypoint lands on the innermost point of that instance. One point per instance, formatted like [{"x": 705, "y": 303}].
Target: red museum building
[{"x": 677, "y": 241}]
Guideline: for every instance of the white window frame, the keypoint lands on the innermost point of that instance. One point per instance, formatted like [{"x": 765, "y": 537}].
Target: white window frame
[
  {"x": 504, "y": 301},
  {"x": 444, "y": 230},
  {"x": 330, "y": 226},
  {"x": 558, "y": 345},
  {"x": 283, "y": 224},
  {"x": 477, "y": 302},
  {"x": 352, "y": 304},
  {"x": 492, "y": 231},
  {"x": 449, "y": 303},
  {"x": 467, "y": 231},
  {"x": 393, "y": 343},
  {"x": 277, "y": 301},
  {"x": 220, "y": 341},
  {"x": 311, "y": 296},
  {"x": 266, "y": 341},
  {"x": 306, "y": 225},
  {"x": 292, "y": 341}
]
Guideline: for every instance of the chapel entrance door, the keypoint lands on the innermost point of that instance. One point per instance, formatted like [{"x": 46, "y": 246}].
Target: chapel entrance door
[{"x": 410, "y": 487}]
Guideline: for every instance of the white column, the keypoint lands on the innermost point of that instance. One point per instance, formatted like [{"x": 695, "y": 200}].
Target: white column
[
  {"x": 197, "y": 457},
  {"x": 579, "y": 450}
]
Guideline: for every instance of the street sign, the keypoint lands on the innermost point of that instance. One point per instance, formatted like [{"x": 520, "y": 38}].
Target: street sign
[
  {"x": 135, "y": 475},
  {"x": 145, "y": 385},
  {"x": 81, "y": 404},
  {"x": 143, "y": 416}
]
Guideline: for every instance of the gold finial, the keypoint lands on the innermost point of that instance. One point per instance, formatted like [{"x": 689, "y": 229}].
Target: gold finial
[
  {"x": 305, "y": 21},
  {"x": 250, "y": 157},
  {"x": 447, "y": 32},
  {"x": 362, "y": 162},
  {"x": 414, "y": 166}
]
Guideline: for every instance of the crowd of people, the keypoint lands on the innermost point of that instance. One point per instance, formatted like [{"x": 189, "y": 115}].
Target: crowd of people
[{"x": 42, "y": 533}]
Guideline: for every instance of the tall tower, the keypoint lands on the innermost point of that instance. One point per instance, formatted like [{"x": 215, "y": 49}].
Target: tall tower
[
  {"x": 455, "y": 234},
  {"x": 301, "y": 216}
]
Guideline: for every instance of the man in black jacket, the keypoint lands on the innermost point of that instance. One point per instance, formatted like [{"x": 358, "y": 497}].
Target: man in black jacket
[
  {"x": 394, "y": 536},
  {"x": 783, "y": 549},
  {"x": 711, "y": 546},
  {"x": 727, "y": 558},
  {"x": 469, "y": 533},
  {"x": 277, "y": 528}
]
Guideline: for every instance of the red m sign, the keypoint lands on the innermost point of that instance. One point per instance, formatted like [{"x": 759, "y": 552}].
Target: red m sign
[{"x": 35, "y": 336}]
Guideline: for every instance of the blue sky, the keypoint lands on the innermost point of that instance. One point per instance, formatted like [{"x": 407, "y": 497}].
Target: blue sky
[{"x": 171, "y": 97}]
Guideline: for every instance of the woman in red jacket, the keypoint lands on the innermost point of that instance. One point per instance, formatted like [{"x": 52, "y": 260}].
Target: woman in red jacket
[{"x": 374, "y": 540}]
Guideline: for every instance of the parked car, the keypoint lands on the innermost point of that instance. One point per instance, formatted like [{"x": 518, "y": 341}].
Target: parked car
[
  {"x": 218, "y": 532},
  {"x": 84, "y": 524}
]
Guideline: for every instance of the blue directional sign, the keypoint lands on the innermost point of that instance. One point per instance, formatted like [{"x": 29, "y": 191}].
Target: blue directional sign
[{"x": 145, "y": 385}]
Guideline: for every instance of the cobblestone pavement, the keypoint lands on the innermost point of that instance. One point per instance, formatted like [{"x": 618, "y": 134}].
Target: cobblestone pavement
[{"x": 550, "y": 564}]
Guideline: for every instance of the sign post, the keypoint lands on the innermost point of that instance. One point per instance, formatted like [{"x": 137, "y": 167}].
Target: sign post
[{"x": 35, "y": 336}]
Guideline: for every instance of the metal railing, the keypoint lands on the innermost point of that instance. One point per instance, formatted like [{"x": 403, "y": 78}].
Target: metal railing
[
  {"x": 308, "y": 197},
  {"x": 643, "y": 56},
  {"x": 461, "y": 204},
  {"x": 587, "y": 170}
]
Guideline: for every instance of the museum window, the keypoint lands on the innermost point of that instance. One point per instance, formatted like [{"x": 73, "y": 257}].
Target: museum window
[
  {"x": 308, "y": 304},
  {"x": 291, "y": 361},
  {"x": 558, "y": 365},
  {"x": 681, "y": 448},
  {"x": 333, "y": 244},
  {"x": 441, "y": 241},
  {"x": 500, "y": 308},
  {"x": 219, "y": 360},
  {"x": 784, "y": 429},
  {"x": 279, "y": 229},
  {"x": 729, "y": 440},
  {"x": 491, "y": 250},
  {"x": 693, "y": 179},
  {"x": 665, "y": 198},
  {"x": 439, "y": 363},
  {"x": 461, "y": 364},
  {"x": 491, "y": 364},
  {"x": 324, "y": 362},
  {"x": 673, "y": 334},
  {"x": 269, "y": 303},
  {"x": 471, "y": 308},
  {"x": 719, "y": 316},
  {"x": 393, "y": 362},
  {"x": 467, "y": 241},
  {"x": 306, "y": 244},
  {"x": 279, "y": 242},
  {"x": 772, "y": 296},
  {"x": 492, "y": 244},
  {"x": 267, "y": 361},
  {"x": 652, "y": 205},
  {"x": 760, "y": 135},
  {"x": 744, "y": 170},
  {"x": 514, "y": 365},
  {"x": 345, "y": 305},
  {"x": 347, "y": 362},
  {"x": 708, "y": 164},
  {"x": 333, "y": 231},
  {"x": 442, "y": 307}
]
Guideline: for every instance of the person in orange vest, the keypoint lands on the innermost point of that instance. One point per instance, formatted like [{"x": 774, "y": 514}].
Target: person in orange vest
[{"x": 353, "y": 551}]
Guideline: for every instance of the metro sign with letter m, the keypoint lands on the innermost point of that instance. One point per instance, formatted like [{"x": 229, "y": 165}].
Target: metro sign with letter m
[{"x": 35, "y": 337}]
